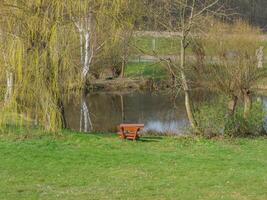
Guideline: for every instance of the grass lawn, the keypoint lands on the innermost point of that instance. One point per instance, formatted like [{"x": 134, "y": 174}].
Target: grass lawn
[
  {"x": 163, "y": 46},
  {"x": 169, "y": 46},
  {"x": 36, "y": 165},
  {"x": 146, "y": 70}
]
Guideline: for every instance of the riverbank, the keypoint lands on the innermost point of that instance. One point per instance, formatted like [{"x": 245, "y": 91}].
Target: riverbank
[
  {"x": 138, "y": 76},
  {"x": 38, "y": 165},
  {"x": 128, "y": 84},
  {"x": 145, "y": 76},
  {"x": 147, "y": 84}
]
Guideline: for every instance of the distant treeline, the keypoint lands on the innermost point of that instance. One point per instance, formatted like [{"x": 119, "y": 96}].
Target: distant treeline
[{"x": 252, "y": 11}]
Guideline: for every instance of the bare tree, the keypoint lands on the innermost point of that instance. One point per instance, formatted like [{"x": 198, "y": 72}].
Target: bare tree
[
  {"x": 98, "y": 24},
  {"x": 85, "y": 24},
  {"x": 126, "y": 39},
  {"x": 238, "y": 65},
  {"x": 188, "y": 18},
  {"x": 86, "y": 28}
]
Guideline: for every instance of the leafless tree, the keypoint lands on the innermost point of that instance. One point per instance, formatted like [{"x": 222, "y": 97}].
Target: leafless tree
[
  {"x": 188, "y": 18},
  {"x": 238, "y": 66}
]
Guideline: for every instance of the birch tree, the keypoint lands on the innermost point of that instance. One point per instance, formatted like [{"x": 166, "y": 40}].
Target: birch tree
[
  {"x": 98, "y": 24},
  {"x": 84, "y": 19},
  {"x": 87, "y": 33}
]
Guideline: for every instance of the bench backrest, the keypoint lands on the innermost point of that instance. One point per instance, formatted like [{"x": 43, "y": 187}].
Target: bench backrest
[
  {"x": 132, "y": 125},
  {"x": 129, "y": 129}
]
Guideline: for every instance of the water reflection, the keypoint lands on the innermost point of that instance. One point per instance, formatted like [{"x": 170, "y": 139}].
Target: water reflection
[
  {"x": 86, "y": 124},
  {"x": 171, "y": 127},
  {"x": 105, "y": 111}
]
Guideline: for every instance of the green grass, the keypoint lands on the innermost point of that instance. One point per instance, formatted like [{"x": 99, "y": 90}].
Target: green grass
[
  {"x": 36, "y": 165},
  {"x": 146, "y": 70},
  {"x": 168, "y": 46},
  {"x": 163, "y": 46}
]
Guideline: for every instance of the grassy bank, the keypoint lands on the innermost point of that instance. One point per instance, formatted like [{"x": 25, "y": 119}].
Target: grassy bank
[
  {"x": 146, "y": 70},
  {"x": 168, "y": 46},
  {"x": 163, "y": 46},
  {"x": 36, "y": 165}
]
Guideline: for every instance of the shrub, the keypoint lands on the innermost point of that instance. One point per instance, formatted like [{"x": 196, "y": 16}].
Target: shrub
[
  {"x": 213, "y": 120},
  {"x": 237, "y": 125},
  {"x": 210, "y": 118}
]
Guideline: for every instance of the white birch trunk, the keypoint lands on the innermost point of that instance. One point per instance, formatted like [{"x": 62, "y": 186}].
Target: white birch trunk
[
  {"x": 9, "y": 86},
  {"x": 85, "y": 29},
  {"x": 88, "y": 55}
]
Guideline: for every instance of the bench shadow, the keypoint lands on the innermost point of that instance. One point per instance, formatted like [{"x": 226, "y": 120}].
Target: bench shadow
[{"x": 150, "y": 139}]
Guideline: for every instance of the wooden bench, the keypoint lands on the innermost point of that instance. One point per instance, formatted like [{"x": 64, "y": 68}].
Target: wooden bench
[{"x": 130, "y": 131}]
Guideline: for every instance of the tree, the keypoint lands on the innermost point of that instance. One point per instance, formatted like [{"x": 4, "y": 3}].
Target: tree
[
  {"x": 40, "y": 55},
  {"x": 40, "y": 59},
  {"x": 100, "y": 25},
  {"x": 235, "y": 70},
  {"x": 188, "y": 18}
]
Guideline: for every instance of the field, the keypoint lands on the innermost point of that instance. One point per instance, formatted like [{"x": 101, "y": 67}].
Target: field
[
  {"x": 162, "y": 47},
  {"x": 167, "y": 46},
  {"x": 38, "y": 165},
  {"x": 146, "y": 70}
]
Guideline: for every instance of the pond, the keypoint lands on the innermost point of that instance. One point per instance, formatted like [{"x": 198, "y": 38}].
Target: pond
[{"x": 161, "y": 112}]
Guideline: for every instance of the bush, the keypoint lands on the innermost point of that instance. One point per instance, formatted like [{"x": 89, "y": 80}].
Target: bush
[
  {"x": 213, "y": 120},
  {"x": 237, "y": 125},
  {"x": 210, "y": 118}
]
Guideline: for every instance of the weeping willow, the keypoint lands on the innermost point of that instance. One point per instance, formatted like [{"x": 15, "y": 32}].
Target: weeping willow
[
  {"x": 38, "y": 57},
  {"x": 39, "y": 45}
]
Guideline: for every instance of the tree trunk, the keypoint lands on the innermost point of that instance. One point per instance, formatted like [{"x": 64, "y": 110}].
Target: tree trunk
[
  {"x": 124, "y": 57},
  {"x": 85, "y": 29},
  {"x": 189, "y": 111},
  {"x": 63, "y": 115},
  {"x": 9, "y": 86},
  {"x": 232, "y": 105},
  {"x": 87, "y": 63},
  {"x": 188, "y": 104},
  {"x": 123, "y": 67},
  {"x": 174, "y": 81},
  {"x": 247, "y": 102}
]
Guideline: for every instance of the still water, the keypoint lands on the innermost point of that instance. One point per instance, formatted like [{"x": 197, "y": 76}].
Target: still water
[{"x": 161, "y": 112}]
